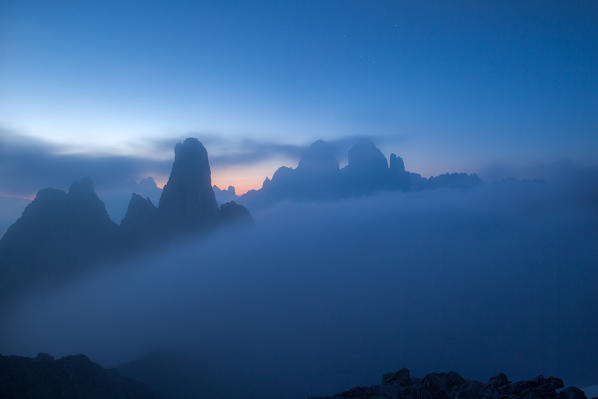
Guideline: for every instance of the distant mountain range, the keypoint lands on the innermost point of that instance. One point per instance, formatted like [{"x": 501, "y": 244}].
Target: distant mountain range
[
  {"x": 318, "y": 176},
  {"x": 63, "y": 233}
]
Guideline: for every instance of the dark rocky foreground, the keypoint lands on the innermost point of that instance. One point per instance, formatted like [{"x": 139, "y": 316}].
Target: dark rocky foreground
[
  {"x": 44, "y": 377},
  {"x": 451, "y": 385}
]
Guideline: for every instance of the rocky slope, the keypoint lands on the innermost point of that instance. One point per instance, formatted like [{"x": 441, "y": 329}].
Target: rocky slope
[
  {"x": 44, "y": 377},
  {"x": 451, "y": 385}
]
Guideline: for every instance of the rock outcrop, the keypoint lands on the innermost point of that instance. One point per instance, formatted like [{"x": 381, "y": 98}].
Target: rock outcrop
[
  {"x": 44, "y": 377},
  {"x": 451, "y": 385}
]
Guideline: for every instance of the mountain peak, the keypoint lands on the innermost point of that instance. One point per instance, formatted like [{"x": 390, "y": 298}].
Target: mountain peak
[
  {"x": 364, "y": 156},
  {"x": 318, "y": 157},
  {"x": 188, "y": 199}
]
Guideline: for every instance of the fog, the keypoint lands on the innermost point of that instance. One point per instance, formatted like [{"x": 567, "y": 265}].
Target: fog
[{"x": 315, "y": 298}]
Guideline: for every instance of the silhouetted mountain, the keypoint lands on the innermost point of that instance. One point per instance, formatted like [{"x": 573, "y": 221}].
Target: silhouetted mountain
[
  {"x": 58, "y": 234},
  {"x": 367, "y": 170},
  {"x": 76, "y": 376},
  {"x": 366, "y": 159},
  {"x": 318, "y": 159},
  {"x": 318, "y": 176},
  {"x": 61, "y": 234},
  {"x": 451, "y": 385},
  {"x": 188, "y": 201},
  {"x": 141, "y": 221},
  {"x": 187, "y": 205}
]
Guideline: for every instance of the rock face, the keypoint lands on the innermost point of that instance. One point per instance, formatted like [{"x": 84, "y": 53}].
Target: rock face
[
  {"x": 452, "y": 386},
  {"x": 188, "y": 201},
  {"x": 61, "y": 234},
  {"x": 76, "y": 376}
]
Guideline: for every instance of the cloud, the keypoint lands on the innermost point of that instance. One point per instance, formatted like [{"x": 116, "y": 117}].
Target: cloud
[
  {"x": 27, "y": 165},
  {"x": 228, "y": 151},
  {"x": 319, "y": 297}
]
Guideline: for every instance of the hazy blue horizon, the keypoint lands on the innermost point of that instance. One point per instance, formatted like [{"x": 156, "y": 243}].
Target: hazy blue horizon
[{"x": 449, "y": 87}]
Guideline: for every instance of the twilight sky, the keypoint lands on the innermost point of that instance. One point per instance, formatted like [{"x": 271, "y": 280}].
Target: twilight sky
[{"x": 449, "y": 87}]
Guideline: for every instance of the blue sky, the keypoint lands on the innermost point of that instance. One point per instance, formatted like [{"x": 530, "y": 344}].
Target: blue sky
[{"x": 449, "y": 87}]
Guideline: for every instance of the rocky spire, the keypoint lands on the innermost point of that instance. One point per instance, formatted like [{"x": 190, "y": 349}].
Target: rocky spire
[
  {"x": 188, "y": 200},
  {"x": 396, "y": 163}
]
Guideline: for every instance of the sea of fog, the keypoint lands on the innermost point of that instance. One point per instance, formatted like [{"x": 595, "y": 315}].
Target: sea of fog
[{"x": 315, "y": 298}]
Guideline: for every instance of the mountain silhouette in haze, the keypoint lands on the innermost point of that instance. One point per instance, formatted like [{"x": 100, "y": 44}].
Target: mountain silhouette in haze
[
  {"x": 44, "y": 377},
  {"x": 188, "y": 201},
  {"x": 319, "y": 177},
  {"x": 62, "y": 233}
]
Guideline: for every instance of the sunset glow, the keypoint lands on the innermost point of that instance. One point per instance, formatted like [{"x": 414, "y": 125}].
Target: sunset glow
[{"x": 26, "y": 197}]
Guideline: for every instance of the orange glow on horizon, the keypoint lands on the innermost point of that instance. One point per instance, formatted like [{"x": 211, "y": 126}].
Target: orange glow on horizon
[
  {"x": 241, "y": 182},
  {"x": 26, "y": 197},
  {"x": 242, "y": 178},
  {"x": 160, "y": 181},
  {"x": 241, "y": 186},
  {"x": 245, "y": 178}
]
